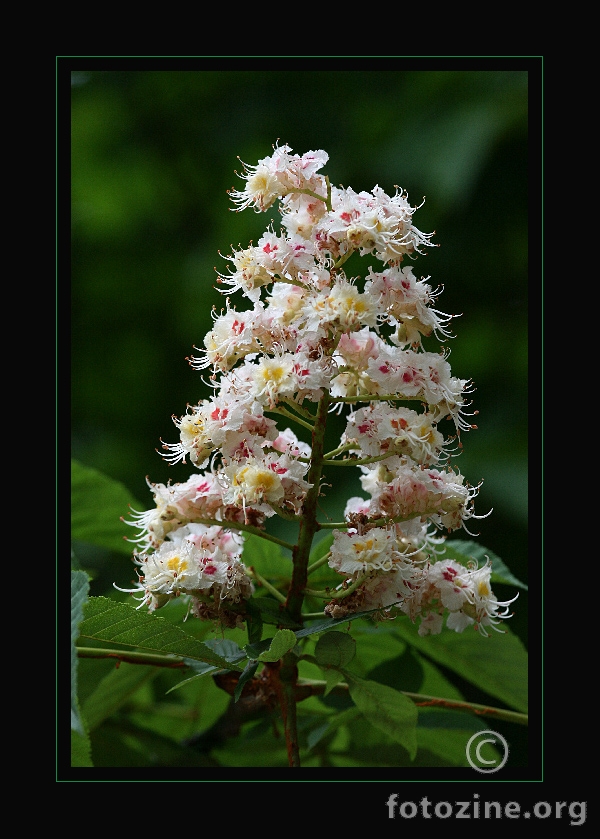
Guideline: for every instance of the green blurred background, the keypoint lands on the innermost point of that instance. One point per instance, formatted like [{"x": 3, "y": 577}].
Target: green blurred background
[{"x": 153, "y": 152}]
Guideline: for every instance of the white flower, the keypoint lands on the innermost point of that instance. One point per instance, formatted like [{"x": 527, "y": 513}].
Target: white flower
[
  {"x": 358, "y": 347},
  {"x": 381, "y": 428},
  {"x": 286, "y": 441},
  {"x": 273, "y": 378},
  {"x": 404, "y": 302},
  {"x": 264, "y": 483},
  {"x": 175, "y": 569},
  {"x": 262, "y": 187},
  {"x": 233, "y": 336},
  {"x": 301, "y": 213},
  {"x": 275, "y": 176},
  {"x": 464, "y": 592},
  {"x": 342, "y": 307},
  {"x": 215, "y": 542},
  {"x": 252, "y": 483},
  {"x": 284, "y": 302},
  {"x": 371, "y": 223},
  {"x": 377, "y": 549},
  {"x": 194, "y": 440},
  {"x": 422, "y": 375},
  {"x": 250, "y": 274},
  {"x": 153, "y": 525},
  {"x": 488, "y": 609}
]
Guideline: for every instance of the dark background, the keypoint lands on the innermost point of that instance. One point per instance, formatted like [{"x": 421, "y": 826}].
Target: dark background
[{"x": 154, "y": 148}]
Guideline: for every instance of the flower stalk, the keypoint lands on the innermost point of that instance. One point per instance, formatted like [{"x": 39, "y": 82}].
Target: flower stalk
[{"x": 308, "y": 522}]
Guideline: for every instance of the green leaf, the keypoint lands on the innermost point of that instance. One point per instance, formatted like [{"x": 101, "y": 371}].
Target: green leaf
[
  {"x": 329, "y": 623},
  {"x": 114, "y": 690},
  {"x": 199, "y": 668},
  {"x": 440, "y": 732},
  {"x": 281, "y": 643},
  {"x": 324, "y": 575},
  {"x": 247, "y": 674},
  {"x": 446, "y": 734},
  {"x": 97, "y": 504},
  {"x": 442, "y": 737},
  {"x": 463, "y": 551},
  {"x": 334, "y": 722},
  {"x": 271, "y": 612},
  {"x": 332, "y": 678},
  {"x": 321, "y": 548},
  {"x": 106, "y": 620},
  {"x": 223, "y": 647},
  {"x": 268, "y": 559},
  {"x": 81, "y": 750},
  {"x": 226, "y": 648},
  {"x": 496, "y": 664},
  {"x": 80, "y": 587},
  {"x": 335, "y": 649},
  {"x": 123, "y": 744},
  {"x": 254, "y": 621},
  {"x": 387, "y": 710}
]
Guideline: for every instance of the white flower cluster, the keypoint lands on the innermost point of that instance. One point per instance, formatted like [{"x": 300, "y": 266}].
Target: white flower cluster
[{"x": 310, "y": 333}]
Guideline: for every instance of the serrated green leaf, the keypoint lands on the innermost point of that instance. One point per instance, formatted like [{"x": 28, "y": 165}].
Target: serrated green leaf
[
  {"x": 97, "y": 504},
  {"x": 81, "y": 750},
  {"x": 464, "y": 550},
  {"x": 386, "y": 709},
  {"x": 335, "y": 649},
  {"x": 80, "y": 587},
  {"x": 281, "y": 643},
  {"x": 106, "y": 620}
]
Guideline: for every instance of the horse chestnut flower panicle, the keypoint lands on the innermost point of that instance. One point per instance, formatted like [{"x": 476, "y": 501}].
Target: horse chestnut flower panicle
[{"x": 310, "y": 341}]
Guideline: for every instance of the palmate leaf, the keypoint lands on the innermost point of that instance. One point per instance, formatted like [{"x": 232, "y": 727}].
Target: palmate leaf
[{"x": 106, "y": 620}]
